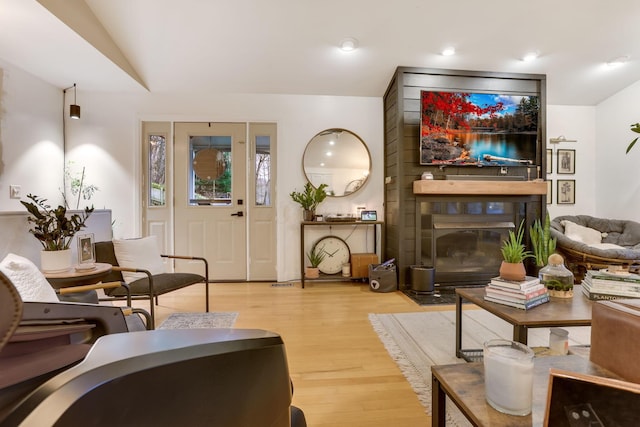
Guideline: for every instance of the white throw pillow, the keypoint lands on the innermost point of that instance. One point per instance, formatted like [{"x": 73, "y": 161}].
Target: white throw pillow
[
  {"x": 28, "y": 279},
  {"x": 140, "y": 253},
  {"x": 586, "y": 235}
]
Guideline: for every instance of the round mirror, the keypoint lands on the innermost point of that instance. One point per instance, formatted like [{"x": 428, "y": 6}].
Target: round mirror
[{"x": 338, "y": 158}]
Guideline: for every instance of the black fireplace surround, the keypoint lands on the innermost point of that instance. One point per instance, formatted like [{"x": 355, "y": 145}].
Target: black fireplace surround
[{"x": 461, "y": 236}]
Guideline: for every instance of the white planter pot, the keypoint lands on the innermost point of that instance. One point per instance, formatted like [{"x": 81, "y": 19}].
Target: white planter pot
[{"x": 55, "y": 261}]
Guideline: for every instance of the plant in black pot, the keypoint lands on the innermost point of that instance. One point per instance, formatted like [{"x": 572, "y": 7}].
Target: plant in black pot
[
  {"x": 54, "y": 229},
  {"x": 309, "y": 199}
]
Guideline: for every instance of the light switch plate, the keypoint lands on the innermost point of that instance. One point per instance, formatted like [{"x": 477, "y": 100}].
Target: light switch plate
[{"x": 15, "y": 191}]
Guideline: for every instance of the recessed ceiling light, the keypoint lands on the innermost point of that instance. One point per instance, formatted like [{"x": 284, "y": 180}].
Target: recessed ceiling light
[
  {"x": 448, "y": 51},
  {"x": 530, "y": 56},
  {"x": 616, "y": 62},
  {"x": 349, "y": 44}
]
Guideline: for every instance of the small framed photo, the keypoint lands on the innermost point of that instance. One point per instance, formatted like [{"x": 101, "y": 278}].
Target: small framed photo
[
  {"x": 566, "y": 162},
  {"x": 566, "y": 191},
  {"x": 86, "y": 251},
  {"x": 549, "y": 191},
  {"x": 549, "y": 161},
  {"x": 368, "y": 216}
]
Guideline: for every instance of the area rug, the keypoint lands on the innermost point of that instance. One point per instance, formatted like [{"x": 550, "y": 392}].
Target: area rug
[
  {"x": 200, "y": 320},
  {"x": 416, "y": 341}
]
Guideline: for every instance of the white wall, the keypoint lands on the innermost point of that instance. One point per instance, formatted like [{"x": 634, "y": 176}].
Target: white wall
[
  {"x": 106, "y": 141},
  {"x": 578, "y": 123},
  {"x": 618, "y": 174},
  {"x": 30, "y": 138}
]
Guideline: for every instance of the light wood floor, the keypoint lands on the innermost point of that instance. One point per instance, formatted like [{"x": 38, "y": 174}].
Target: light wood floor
[{"x": 341, "y": 372}]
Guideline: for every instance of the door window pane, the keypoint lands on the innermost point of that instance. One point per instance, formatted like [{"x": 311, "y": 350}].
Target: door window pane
[
  {"x": 263, "y": 170},
  {"x": 210, "y": 170},
  {"x": 157, "y": 170}
]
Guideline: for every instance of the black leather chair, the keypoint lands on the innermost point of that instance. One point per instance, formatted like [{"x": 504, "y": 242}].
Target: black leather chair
[
  {"x": 39, "y": 340},
  {"x": 222, "y": 377},
  {"x": 152, "y": 285}
]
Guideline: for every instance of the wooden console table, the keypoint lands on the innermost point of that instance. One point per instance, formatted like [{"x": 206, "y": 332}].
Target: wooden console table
[
  {"x": 336, "y": 277},
  {"x": 464, "y": 385}
]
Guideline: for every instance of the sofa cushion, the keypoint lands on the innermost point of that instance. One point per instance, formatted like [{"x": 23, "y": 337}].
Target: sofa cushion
[
  {"x": 28, "y": 279},
  {"x": 580, "y": 233},
  {"x": 142, "y": 253}
]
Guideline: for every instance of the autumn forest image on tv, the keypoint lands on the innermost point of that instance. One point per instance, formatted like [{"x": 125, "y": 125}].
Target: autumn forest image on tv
[{"x": 480, "y": 129}]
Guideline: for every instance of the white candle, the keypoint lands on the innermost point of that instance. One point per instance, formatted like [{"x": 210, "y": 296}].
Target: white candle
[{"x": 508, "y": 376}]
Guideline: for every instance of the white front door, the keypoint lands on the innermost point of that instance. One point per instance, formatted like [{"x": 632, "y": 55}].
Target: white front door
[
  {"x": 210, "y": 197},
  {"x": 209, "y": 193}
]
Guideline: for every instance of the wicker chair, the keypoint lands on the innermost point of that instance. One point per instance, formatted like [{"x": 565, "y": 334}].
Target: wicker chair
[{"x": 581, "y": 257}]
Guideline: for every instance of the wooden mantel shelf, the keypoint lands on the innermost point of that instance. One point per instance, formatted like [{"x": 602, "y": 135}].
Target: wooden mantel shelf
[{"x": 508, "y": 188}]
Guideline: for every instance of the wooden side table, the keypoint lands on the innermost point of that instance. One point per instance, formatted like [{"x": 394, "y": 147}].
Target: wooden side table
[
  {"x": 463, "y": 383},
  {"x": 73, "y": 277}
]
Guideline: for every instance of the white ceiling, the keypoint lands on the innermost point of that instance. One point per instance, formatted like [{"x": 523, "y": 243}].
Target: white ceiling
[{"x": 290, "y": 46}]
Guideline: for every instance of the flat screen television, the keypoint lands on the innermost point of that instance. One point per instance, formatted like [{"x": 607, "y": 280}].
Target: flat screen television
[{"x": 478, "y": 129}]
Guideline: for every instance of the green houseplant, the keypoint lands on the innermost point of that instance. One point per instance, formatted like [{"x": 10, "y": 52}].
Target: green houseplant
[
  {"x": 514, "y": 253},
  {"x": 309, "y": 199},
  {"x": 54, "y": 229},
  {"x": 315, "y": 256},
  {"x": 541, "y": 240},
  {"x": 634, "y": 128}
]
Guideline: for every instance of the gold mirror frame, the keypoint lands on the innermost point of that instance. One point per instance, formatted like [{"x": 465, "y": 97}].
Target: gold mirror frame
[{"x": 339, "y": 158}]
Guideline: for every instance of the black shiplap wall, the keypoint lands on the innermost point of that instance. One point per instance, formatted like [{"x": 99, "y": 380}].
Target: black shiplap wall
[{"x": 402, "y": 128}]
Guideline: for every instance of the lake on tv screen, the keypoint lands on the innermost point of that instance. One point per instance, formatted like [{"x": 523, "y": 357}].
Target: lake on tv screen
[{"x": 517, "y": 146}]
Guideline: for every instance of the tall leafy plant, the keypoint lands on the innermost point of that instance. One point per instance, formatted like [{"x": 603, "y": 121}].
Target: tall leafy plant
[
  {"x": 311, "y": 197},
  {"x": 51, "y": 226},
  {"x": 541, "y": 240}
]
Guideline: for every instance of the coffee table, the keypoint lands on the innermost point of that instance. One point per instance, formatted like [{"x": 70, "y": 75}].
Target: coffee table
[
  {"x": 464, "y": 384},
  {"x": 574, "y": 311}
]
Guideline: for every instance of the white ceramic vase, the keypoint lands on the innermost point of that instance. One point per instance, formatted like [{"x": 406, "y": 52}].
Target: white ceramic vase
[{"x": 55, "y": 261}]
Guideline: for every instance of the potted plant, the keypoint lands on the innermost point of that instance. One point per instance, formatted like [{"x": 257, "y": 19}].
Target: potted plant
[
  {"x": 54, "y": 230},
  {"x": 309, "y": 199},
  {"x": 514, "y": 253},
  {"x": 315, "y": 256},
  {"x": 542, "y": 242}
]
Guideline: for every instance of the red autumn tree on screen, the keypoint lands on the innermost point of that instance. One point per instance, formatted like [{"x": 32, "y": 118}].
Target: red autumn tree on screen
[{"x": 445, "y": 111}]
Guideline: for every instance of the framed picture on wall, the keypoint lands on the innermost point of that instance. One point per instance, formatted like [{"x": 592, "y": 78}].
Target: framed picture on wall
[
  {"x": 549, "y": 191},
  {"x": 566, "y": 162},
  {"x": 549, "y": 161},
  {"x": 566, "y": 191}
]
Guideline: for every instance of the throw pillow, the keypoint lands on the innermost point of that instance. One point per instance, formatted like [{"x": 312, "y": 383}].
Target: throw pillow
[
  {"x": 140, "y": 253},
  {"x": 577, "y": 232},
  {"x": 28, "y": 279}
]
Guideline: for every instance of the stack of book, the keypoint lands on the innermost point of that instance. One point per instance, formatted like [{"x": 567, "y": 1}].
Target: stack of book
[
  {"x": 602, "y": 285},
  {"x": 526, "y": 294}
]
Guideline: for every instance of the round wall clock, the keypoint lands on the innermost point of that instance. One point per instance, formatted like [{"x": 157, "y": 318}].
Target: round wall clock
[{"x": 336, "y": 253}]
